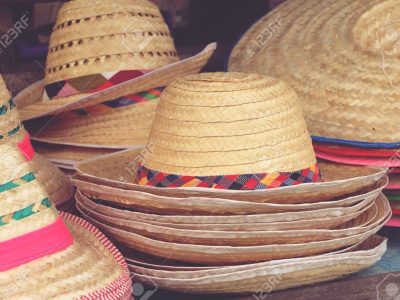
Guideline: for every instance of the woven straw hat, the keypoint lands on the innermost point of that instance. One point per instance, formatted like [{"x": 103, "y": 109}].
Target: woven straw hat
[
  {"x": 129, "y": 55},
  {"x": 274, "y": 221},
  {"x": 57, "y": 185},
  {"x": 250, "y": 277},
  {"x": 235, "y": 125},
  {"x": 56, "y": 256},
  {"x": 341, "y": 57},
  {"x": 377, "y": 214},
  {"x": 198, "y": 253}
]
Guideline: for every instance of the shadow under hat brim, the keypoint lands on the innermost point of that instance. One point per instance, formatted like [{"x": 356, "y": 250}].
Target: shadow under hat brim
[
  {"x": 69, "y": 155},
  {"x": 116, "y": 170},
  {"x": 90, "y": 267},
  {"x": 35, "y": 107}
]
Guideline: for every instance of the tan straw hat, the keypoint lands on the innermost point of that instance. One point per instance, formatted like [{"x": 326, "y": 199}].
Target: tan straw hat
[
  {"x": 105, "y": 77},
  {"x": 57, "y": 185},
  {"x": 341, "y": 57},
  {"x": 54, "y": 256},
  {"x": 238, "y": 131},
  {"x": 249, "y": 278}
]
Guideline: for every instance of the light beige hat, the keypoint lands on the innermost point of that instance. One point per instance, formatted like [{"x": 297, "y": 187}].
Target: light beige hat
[
  {"x": 272, "y": 221},
  {"x": 54, "y": 256},
  {"x": 341, "y": 57},
  {"x": 105, "y": 80},
  {"x": 222, "y": 254},
  {"x": 57, "y": 185},
  {"x": 250, "y": 278}
]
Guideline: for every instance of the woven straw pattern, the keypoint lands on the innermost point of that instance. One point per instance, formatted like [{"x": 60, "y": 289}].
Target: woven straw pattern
[
  {"x": 68, "y": 154},
  {"x": 233, "y": 124},
  {"x": 117, "y": 128},
  {"x": 56, "y": 184},
  {"x": 20, "y": 197},
  {"x": 340, "y": 57},
  {"x": 249, "y": 278},
  {"x": 12, "y": 167},
  {"x": 102, "y": 271},
  {"x": 29, "y": 224},
  {"x": 129, "y": 35}
]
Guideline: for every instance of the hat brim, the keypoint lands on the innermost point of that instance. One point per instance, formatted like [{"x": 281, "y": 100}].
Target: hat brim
[
  {"x": 275, "y": 221},
  {"x": 35, "y": 107},
  {"x": 169, "y": 205},
  {"x": 116, "y": 171},
  {"x": 68, "y": 155},
  {"x": 222, "y": 255},
  {"x": 358, "y": 161},
  {"x": 98, "y": 130},
  {"x": 90, "y": 267},
  {"x": 360, "y": 144},
  {"x": 248, "y": 278},
  {"x": 373, "y": 216}
]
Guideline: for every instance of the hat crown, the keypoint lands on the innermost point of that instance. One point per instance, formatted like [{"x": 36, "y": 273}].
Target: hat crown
[
  {"x": 228, "y": 123},
  {"x": 378, "y": 29},
  {"x": 94, "y": 37}
]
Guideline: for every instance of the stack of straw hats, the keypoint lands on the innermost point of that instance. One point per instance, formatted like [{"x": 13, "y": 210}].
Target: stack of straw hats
[
  {"x": 57, "y": 185},
  {"x": 44, "y": 255},
  {"x": 100, "y": 88},
  {"x": 227, "y": 193},
  {"x": 343, "y": 59}
]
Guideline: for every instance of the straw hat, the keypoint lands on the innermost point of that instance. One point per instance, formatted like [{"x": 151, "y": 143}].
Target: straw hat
[
  {"x": 341, "y": 57},
  {"x": 376, "y": 214},
  {"x": 248, "y": 278},
  {"x": 275, "y": 221},
  {"x": 169, "y": 204},
  {"x": 239, "y": 131},
  {"x": 57, "y": 185},
  {"x": 227, "y": 255},
  {"x": 56, "y": 256},
  {"x": 129, "y": 56}
]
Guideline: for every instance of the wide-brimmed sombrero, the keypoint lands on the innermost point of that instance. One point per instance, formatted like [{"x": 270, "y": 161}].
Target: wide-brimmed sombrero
[
  {"x": 55, "y": 256},
  {"x": 57, "y": 185},
  {"x": 240, "y": 132},
  {"x": 104, "y": 80},
  {"x": 225, "y": 179},
  {"x": 342, "y": 58}
]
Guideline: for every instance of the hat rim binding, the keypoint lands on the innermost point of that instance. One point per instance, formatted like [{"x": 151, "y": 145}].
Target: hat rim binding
[
  {"x": 357, "y": 161},
  {"x": 115, "y": 91},
  {"x": 120, "y": 287},
  {"x": 237, "y": 62},
  {"x": 360, "y": 144},
  {"x": 135, "y": 157}
]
